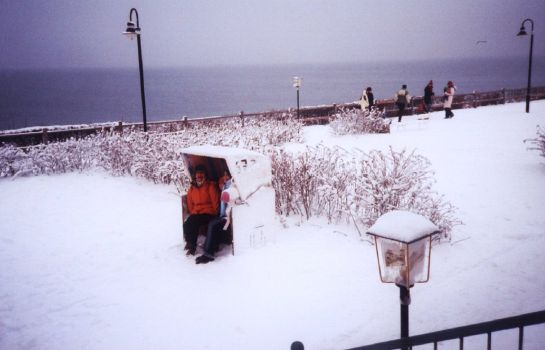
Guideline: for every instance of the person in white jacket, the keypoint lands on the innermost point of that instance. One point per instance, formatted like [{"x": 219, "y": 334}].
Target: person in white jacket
[
  {"x": 449, "y": 91},
  {"x": 367, "y": 99}
]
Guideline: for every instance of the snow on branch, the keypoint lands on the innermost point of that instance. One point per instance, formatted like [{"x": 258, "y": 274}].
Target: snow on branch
[
  {"x": 538, "y": 144},
  {"x": 356, "y": 121},
  {"x": 358, "y": 187}
]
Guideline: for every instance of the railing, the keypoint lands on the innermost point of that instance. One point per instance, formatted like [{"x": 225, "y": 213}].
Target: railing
[
  {"x": 472, "y": 100},
  {"x": 460, "y": 333},
  {"x": 309, "y": 115}
]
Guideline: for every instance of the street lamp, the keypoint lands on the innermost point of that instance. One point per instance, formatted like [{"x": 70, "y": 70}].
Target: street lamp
[
  {"x": 134, "y": 31},
  {"x": 522, "y": 32},
  {"x": 403, "y": 244},
  {"x": 297, "y": 84}
]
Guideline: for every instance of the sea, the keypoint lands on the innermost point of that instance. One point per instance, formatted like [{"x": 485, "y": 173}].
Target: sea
[{"x": 44, "y": 97}]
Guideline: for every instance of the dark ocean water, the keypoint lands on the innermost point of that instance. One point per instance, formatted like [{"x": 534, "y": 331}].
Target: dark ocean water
[{"x": 72, "y": 96}]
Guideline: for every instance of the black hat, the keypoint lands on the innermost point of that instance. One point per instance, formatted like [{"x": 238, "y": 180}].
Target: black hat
[{"x": 200, "y": 168}]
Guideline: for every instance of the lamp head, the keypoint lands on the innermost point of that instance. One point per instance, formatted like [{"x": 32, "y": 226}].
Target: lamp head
[
  {"x": 403, "y": 243},
  {"x": 132, "y": 30},
  {"x": 522, "y": 31}
]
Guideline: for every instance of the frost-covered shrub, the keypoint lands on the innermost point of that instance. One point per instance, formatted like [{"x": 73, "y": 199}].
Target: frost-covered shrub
[
  {"x": 256, "y": 134},
  {"x": 300, "y": 181},
  {"x": 399, "y": 180},
  {"x": 356, "y": 121},
  {"x": 55, "y": 158},
  {"x": 155, "y": 156},
  {"x": 393, "y": 180},
  {"x": 283, "y": 181},
  {"x": 356, "y": 186},
  {"x": 11, "y": 159},
  {"x": 538, "y": 144}
]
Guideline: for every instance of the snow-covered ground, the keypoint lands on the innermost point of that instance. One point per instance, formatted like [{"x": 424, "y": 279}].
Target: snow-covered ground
[{"x": 90, "y": 261}]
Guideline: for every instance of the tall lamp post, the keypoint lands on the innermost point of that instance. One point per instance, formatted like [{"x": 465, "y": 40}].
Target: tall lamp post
[
  {"x": 131, "y": 32},
  {"x": 522, "y": 32},
  {"x": 297, "y": 84},
  {"x": 403, "y": 244}
]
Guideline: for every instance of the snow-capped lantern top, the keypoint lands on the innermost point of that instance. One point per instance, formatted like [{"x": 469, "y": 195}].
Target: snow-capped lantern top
[
  {"x": 403, "y": 243},
  {"x": 404, "y": 226},
  {"x": 249, "y": 170}
]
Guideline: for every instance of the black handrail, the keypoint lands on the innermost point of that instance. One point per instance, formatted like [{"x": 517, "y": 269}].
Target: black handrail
[{"x": 460, "y": 333}]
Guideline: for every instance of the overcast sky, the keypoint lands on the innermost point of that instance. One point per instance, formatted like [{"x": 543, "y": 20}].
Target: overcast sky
[{"x": 58, "y": 33}]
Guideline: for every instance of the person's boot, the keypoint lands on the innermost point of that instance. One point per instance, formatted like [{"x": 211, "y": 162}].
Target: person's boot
[
  {"x": 191, "y": 251},
  {"x": 203, "y": 259}
]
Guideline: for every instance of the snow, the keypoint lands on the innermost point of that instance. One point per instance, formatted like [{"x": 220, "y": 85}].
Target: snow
[
  {"x": 91, "y": 261},
  {"x": 402, "y": 226},
  {"x": 220, "y": 152}
]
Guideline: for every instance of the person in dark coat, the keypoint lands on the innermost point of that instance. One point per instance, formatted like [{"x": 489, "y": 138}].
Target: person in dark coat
[
  {"x": 217, "y": 227},
  {"x": 428, "y": 97},
  {"x": 402, "y": 99},
  {"x": 370, "y": 97}
]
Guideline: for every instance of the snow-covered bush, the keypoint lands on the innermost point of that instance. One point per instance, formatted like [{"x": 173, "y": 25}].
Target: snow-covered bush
[
  {"x": 356, "y": 121},
  {"x": 54, "y": 158},
  {"x": 283, "y": 181},
  {"x": 154, "y": 156},
  {"x": 357, "y": 186},
  {"x": 538, "y": 144},
  {"x": 399, "y": 180},
  {"x": 314, "y": 182},
  {"x": 11, "y": 159}
]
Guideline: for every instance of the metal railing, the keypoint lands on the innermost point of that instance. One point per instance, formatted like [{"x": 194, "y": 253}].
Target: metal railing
[
  {"x": 471, "y": 100},
  {"x": 460, "y": 333}
]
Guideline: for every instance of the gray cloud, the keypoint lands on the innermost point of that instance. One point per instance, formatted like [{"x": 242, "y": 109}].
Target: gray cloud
[{"x": 60, "y": 33}]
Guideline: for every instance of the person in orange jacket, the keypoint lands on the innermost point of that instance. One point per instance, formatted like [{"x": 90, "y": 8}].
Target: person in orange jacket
[{"x": 203, "y": 205}]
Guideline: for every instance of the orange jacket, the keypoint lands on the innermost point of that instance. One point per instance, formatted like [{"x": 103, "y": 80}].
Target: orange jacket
[{"x": 204, "y": 199}]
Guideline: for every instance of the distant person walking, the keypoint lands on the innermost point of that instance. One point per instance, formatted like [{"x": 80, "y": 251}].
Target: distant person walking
[
  {"x": 367, "y": 99},
  {"x": 428, "y": 97},
  {"x": 402, "y": 99},
  {"x": 370, "y": 96},
  {"x": 448, "y": 96}
]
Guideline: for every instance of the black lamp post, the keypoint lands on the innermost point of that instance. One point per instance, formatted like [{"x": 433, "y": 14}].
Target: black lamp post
[
  {"x": 522, "y": 32},
  {"x": 131, "y": 32},
  {"x": 297, "y": 85}
]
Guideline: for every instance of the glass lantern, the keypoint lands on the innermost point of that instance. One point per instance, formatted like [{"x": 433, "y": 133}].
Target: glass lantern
[
  {"x": 297, "y": 82},
  {"x": 403, "y": 257}
]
